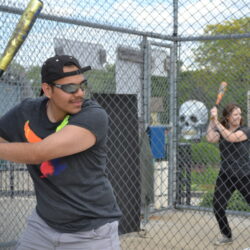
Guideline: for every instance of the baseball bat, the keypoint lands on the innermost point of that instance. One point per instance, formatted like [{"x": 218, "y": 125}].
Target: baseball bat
[
  {"x": 221, "y": 92},
  {"x": 20, "y": 33}
]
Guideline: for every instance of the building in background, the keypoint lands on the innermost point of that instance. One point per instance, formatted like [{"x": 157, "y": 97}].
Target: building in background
[{"x": 87, "y": 53}]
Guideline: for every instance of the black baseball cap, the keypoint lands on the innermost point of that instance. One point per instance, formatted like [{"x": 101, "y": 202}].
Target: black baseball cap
[{"x": 52, "y": 68}]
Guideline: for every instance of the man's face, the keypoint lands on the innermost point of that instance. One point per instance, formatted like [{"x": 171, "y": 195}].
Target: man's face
[{"x": 70, "y": 103}]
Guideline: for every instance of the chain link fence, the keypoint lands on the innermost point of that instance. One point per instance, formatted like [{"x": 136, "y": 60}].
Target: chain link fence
[{"x": 157, "y": 66}]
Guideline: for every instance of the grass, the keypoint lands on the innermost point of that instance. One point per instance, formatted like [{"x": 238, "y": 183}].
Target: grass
[{"x": 204, "y": 179}]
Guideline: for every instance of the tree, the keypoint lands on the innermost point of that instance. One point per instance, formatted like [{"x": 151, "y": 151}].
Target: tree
[
  {"x": 225, "y": 56},
  {"x": 33, "y": 75},
  {"x": 220, "y": 60},
  {"x": 14, "y": 74},
  {"x": 102, "y": 81}
]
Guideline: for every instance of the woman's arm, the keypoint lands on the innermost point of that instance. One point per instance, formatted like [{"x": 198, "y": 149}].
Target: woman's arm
[
  {"x": 230, "y": 136},
  {"x": 212, "y": 134}
]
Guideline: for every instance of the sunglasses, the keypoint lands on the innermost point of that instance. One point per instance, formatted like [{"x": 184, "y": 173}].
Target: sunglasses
[{"x": 71, "y": 88}]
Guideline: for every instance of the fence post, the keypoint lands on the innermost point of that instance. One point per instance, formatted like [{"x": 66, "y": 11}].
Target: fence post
[{"x": 248, "y": 108}]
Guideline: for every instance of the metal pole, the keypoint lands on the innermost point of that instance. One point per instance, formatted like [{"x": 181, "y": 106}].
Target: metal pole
[
  {"x": 173, "y": 113},
  {"x": 172, "y": 132},
  {"x": 248, "y": 108},
  {"x": 125, "y": 30},
  {"x": 146, "y": 83}
]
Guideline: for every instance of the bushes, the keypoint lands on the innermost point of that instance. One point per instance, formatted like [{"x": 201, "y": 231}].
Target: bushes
[
  {"x": 237, "y": 202},
  {"x": 205, "y": 153},
  {"x": 205, "y": 162},
  {"x": 205, "y": 180}
]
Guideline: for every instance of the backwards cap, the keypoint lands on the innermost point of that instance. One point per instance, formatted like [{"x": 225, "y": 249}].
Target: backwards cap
[{"x": 52, "y": 68}]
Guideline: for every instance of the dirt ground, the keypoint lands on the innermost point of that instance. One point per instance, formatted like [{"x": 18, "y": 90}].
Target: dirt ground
[
  {"x": 186, "y": 230},
  {"x": 168, "y": 230}
]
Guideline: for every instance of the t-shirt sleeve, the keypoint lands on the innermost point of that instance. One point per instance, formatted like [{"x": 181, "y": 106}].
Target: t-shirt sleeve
[
  {"x": 246, "y": 130},
  {"x": 8, "y": 124},
  {"x": 94, "y": 119}
]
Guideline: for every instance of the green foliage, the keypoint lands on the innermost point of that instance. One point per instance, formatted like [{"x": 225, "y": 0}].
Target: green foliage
[
  {"x": 14, "y": 73},
  {"x": 102, "y": 81},
  {"x": 160, "y": 88},
  {"x": 216, "y": 61},
  {"x": 204, "y": 179},
  {"x": 16, "y": 68},
  {"x": 34, "y": 76},
  {"x": 207, "y": 199},
  {"x": 237, "y": 202},
  {"x": 205, "y": 153},
  {"x": 223, "y": 55}
]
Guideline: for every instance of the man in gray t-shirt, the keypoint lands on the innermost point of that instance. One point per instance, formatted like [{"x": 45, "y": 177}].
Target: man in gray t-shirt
[{"x": 63, "y": 142}]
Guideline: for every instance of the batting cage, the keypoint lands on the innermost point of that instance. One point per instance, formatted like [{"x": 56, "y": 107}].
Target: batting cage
[{"x": 156, "y": 69}]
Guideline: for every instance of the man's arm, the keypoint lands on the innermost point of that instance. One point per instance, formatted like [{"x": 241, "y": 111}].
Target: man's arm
[
  {"x": 70, "y": 140},
  {"x": 2, "y": 140}
]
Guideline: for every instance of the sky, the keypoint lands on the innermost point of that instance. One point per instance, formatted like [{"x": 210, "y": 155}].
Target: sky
[
  {"x": 140, "y": 15},
  {"x": 153, "y": 16}
]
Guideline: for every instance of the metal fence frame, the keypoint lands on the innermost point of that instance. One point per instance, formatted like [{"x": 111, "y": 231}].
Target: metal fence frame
[{"x": 172, "y": 43}]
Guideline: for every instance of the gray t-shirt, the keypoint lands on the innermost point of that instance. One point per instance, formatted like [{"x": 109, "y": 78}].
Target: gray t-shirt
[
  {"x": 235, "y": 155},
  {"x": 73, "y": 193}
]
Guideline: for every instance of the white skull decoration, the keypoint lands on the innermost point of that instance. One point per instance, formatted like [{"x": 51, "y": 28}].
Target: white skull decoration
[{"x": 193, "y": 116}]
